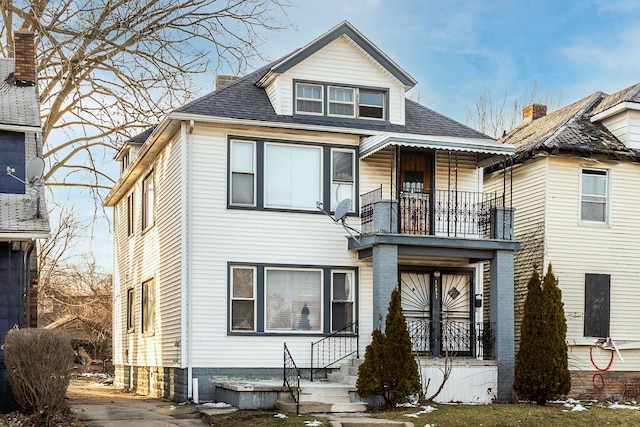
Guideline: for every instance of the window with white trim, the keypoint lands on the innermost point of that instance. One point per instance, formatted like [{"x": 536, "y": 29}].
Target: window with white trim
[
  {"x": 148, "y": 201},
  {"x": 342, "y": 173},
  {"x": 342, "y": 101},
  {"x": 342, "y": 306},
  {"x": 243, "y": 177},
  {"x": 594, "y": 197},
  {"x": 309, "y": 98},
  {"x": 243, "y": 298},
  {"x": 371, "y": 104},
  {"x": 293, "y": 176},
  {"x": 293, "y": 300}
]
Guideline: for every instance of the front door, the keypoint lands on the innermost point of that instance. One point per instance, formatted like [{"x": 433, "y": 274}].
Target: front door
[
  {"x": 438, "y": 308},
  {"x": 415, "y": 178}
]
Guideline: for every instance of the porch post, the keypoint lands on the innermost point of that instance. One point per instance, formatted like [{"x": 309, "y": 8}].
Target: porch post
[
  {"x": 502, "y": 317},
  {"x": 385, "y": 278}
]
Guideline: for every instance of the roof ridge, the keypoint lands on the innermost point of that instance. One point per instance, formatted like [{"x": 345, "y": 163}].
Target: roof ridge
[{"x": 588, "y": 105}]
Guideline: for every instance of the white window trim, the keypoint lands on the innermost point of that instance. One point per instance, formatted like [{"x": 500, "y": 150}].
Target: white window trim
[
  {"x": 265, "y": 183},
  {"x": 607, "y": 220},
  {"x": 384, "y": 112},
  {"x": 231, "y": 172},
  {"x": 254, "y": 299},
  {"x": 302, "y": 98},
  {"x": 351, "y": 275},
  {"x": 266, "y": 303},
  {"x": 354, "y": 103},
  {"x": 353, "y": 176},
  {"x": 148, "y": 222}
]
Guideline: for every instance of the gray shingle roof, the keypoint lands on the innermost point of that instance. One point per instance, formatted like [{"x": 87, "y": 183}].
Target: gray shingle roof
[
  {"x": 568, "y": 129},
  {"x": 242, "y": 99},
  {"x": 18, "y": 104},
  {"x": 630, "y": 94}
]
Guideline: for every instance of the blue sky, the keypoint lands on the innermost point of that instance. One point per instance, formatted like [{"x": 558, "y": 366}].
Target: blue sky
[{"x": 456, "y": 49}]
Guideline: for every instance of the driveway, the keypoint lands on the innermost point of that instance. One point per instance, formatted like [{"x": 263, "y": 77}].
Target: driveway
[{"x": 99, "y": 405}]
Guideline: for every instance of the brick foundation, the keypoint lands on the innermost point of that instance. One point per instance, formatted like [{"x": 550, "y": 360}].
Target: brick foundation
[{"x": 605, "y": 385}]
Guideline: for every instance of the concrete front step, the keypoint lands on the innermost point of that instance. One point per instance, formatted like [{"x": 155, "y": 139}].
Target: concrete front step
[{"x": 322, "y": 407}]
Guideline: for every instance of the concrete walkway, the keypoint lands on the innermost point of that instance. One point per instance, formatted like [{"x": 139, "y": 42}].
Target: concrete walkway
[{"x": 104, "y": 406}]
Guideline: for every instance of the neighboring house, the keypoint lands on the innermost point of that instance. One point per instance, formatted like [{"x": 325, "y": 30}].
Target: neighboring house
[
  {"x": 22, "y": 210},
  {"x": 576, "y": 186},
  {"x": 222, "y": 255}
]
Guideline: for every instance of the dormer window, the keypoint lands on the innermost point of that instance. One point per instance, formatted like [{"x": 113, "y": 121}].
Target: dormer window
[
  {"x": 125, "y": 162},
  {"x": 340, "y": 101},
  {"x": 309, "y": 99}
]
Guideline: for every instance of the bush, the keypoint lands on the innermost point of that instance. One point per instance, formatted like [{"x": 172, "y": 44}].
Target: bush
[
  {"x": 39, "y": 363},
  {"x": 389, "y": 368},
  {"x": 541, "y": 370}
]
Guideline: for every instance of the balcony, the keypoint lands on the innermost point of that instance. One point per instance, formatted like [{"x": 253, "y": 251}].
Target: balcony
[
  {"x": 441, "y": 213},
  {"x": 450, "y": 337}
]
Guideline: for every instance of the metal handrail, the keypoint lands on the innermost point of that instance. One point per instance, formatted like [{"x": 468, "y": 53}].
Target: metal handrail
[
  {"x": 335, "y": 347},
  {"x": 292, "y": 378}
]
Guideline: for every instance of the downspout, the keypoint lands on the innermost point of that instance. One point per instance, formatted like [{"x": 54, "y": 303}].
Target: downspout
[{"x": 189, "y": 263}]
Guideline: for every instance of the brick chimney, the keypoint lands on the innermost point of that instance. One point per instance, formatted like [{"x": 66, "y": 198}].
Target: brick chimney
[
  {"x": 223, "y": 80},
  {"x": 532, "y": 112},
  {"x": 25, "y": 57}
]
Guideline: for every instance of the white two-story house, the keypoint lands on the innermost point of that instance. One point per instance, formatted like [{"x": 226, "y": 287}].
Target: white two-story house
[
  {"x": 576, "y": 185},
  {"x": 227, "y": 244}
]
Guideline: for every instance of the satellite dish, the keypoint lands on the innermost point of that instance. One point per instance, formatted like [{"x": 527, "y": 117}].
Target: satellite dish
[
  {"x": 35, "y": 170},
  {"x": 342, "y": 209}
]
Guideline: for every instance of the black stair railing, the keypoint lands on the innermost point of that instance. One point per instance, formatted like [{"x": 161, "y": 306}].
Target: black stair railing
[
  {"x": 292, "y": 377},
  {"x": 335, "y": 347}
]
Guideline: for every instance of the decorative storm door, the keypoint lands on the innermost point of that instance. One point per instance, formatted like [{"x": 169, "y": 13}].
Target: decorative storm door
[{"x": 439, "y": 313}]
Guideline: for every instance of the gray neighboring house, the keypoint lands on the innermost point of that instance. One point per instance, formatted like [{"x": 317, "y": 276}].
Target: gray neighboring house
[{"x": 23, "y": 216}]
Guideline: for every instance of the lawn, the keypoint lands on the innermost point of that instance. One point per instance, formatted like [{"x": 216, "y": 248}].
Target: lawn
[{"x": 521, "y": 415}]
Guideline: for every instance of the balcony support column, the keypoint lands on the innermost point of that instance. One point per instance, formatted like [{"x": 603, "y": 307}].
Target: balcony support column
[
  {"x": 502, "y": 316},
  {"x": 385, "y": 279},
  {"x": 385, "y": 216}
]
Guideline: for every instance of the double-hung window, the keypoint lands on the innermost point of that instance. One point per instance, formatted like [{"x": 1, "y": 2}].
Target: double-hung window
[
  {"x": 342, "y": 101},
  {"x": 292, "y": 176},
  {"x": 148, "y": 201},
  {"x": 309, "y": 98},
  {"x": 594, "y": 197},
  {"x": 342, "y": 173},
  {"x": 371, "y": 104},
  {"x": 243, "y": 298},
  {"x": 342, "y": 306},
  {"x": 243, "y": 176}
]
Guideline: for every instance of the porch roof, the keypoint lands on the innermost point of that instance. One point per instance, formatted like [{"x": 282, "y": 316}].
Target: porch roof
[{"x": 485, "y": 146}]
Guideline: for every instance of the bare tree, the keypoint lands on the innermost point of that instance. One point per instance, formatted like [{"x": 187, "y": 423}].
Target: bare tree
[
  {"x": 494, "y": 113},
  {"x": 107, "y": 69}
]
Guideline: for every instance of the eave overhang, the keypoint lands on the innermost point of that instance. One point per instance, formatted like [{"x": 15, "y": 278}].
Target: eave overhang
[
  {"x": 484, "y": 146},
  {"x": 618, "y": 108}
]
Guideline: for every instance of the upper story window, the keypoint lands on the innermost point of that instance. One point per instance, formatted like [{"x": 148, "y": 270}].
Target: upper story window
[
  {"x": 292, "y": 176},
  {"x": 148, "y": 201},
  {"x": 265, "y": 174},
  {"x": 130, "y": 215},
  {"x": 342, "y": 173},
  {"x": 243, "y": 175},
  {"x": 340, "y": 101},
  {"x": 309, "y": 99},
  {"x": 126, "y": 159},
  {"x": 594, "y": 195}
]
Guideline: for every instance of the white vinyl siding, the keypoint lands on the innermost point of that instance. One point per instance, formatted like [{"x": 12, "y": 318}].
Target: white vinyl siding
[
  {"x": 626, "y": 127},
  {"x": 343, "y": 63}
]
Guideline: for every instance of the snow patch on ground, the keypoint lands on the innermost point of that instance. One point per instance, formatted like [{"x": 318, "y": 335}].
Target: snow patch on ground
[
  {"x": 623, "y": 406},
  {"x": 425, "y": 410},
  {"x": 215, "y": 405},
  {"x": 314, "y": 423}
]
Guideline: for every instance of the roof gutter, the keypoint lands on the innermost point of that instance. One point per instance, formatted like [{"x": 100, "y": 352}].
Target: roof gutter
[{"x": 20, "y": 128}]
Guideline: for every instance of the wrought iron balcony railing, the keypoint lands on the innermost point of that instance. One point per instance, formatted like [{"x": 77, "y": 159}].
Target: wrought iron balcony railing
[
  {"x": 442, "y": 213},
  {"x": 457, "y": 338}
]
